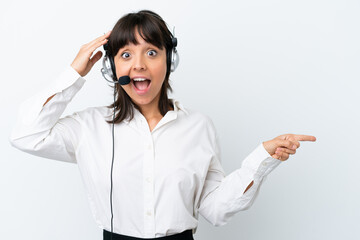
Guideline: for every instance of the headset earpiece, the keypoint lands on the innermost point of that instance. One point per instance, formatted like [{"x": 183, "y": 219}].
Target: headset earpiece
[
  {"x": 174, "y": 56},
  {"x": 108, "y": 70},
  {"x": 174, "y": 42},
  {"x": 174, "y": 61}
]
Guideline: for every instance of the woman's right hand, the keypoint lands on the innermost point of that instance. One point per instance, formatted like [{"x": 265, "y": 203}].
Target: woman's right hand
[{"x": 82, "y": 62}]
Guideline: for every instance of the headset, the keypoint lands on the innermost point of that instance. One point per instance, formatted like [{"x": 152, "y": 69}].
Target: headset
[{"x": 109, "y": 73}]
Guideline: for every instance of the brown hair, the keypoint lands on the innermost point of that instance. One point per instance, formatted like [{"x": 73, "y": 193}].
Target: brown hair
[{"x": 153, "y": 30}]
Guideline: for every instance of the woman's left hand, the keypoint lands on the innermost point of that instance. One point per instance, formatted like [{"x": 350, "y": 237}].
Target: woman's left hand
[{"x": 283, "y": 145}]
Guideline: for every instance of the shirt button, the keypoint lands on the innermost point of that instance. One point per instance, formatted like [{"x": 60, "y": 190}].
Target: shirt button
[
  {"x": 148, "y": 179},
  {"x": 148, "y": 213},
  {"x": 264, "y": 164},
  {"x": 149, "y": 147}
]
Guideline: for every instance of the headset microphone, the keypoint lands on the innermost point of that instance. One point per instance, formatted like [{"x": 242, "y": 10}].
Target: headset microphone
[{"x": 124, "y": 80}]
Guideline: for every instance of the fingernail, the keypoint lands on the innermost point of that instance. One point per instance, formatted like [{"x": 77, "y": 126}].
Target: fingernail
[{"x": 294, "y": 147}]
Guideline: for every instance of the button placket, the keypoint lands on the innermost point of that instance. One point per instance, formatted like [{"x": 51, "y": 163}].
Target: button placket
[{"x": 148, "y": 175}]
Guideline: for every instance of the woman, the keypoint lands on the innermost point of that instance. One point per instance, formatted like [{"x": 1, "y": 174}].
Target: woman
[{"x": 166, "y": 165}]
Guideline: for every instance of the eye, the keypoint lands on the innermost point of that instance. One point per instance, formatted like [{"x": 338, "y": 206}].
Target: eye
[
  {"x": 152, "y": 53},
  {"x": 125, "y": 55}
]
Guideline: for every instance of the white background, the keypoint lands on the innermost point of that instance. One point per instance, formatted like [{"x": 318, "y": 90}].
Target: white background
[{"x": 259, "y": 69}]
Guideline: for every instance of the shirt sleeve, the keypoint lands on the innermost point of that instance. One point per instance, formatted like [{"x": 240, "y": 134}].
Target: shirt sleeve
[
  {"x": 40, "y": 131},
  {"x": 223, "y": 196}
]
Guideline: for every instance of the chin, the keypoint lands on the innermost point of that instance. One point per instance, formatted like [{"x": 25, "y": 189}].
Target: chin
[{"x": 142, "y": 101}]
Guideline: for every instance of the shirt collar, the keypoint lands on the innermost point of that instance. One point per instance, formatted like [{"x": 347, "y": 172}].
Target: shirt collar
[{"x": 177, "y": 107}]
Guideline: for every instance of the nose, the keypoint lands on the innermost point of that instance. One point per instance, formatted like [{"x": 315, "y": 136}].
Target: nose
[{"x": 139, "y": 64}]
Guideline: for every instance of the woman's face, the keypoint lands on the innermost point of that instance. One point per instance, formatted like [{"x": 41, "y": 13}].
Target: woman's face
[{"x": 139, "y": 62}]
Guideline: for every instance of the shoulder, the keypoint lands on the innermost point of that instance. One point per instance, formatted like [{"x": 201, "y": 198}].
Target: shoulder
[
  {"x": 190, "y": 113},
  {"x": 198, "y": 116},
  {"x": 199, "y": 126},
  {"x": 196, "y": 119}
]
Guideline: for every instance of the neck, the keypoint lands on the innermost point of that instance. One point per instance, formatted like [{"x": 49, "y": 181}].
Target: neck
[{"x": 151, "y": 110}]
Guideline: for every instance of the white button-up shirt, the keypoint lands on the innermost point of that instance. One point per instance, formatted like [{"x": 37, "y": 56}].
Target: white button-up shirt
[{"x": 162, "y": 179}]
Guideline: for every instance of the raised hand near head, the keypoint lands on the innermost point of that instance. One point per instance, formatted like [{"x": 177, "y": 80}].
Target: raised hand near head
[{"x": 83, "y": 61}]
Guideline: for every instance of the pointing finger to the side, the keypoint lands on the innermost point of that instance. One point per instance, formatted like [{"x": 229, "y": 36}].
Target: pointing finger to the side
[{"x": 305, "y": 138}]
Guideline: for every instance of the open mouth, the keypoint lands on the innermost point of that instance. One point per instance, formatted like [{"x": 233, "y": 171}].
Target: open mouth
[{"x": 141, "y": 85}]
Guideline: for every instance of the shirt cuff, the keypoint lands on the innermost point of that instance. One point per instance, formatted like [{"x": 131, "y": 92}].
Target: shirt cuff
[{"x": 260, "y": 162}]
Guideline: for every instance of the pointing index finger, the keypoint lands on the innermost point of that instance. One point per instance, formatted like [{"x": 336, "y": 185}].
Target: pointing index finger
[{"x": 305, "y": 138}]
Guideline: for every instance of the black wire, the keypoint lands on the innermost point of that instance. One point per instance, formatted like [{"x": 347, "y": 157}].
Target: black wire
[{"x": 112, "y": 163}]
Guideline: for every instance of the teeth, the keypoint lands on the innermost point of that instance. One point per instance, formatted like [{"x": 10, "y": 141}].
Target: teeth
[{"x": 139, "y": 79}]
